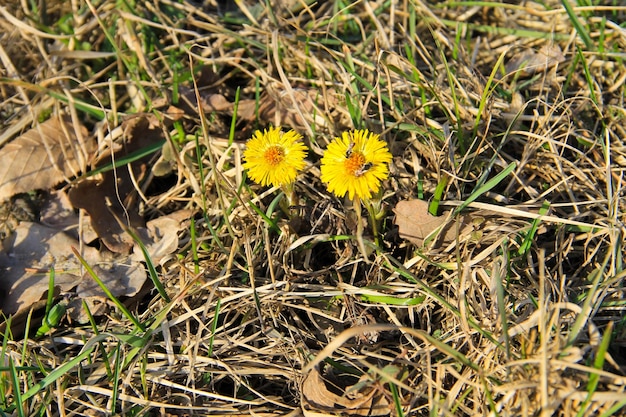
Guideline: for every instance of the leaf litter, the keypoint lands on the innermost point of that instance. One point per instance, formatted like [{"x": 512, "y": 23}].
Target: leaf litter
[
  {"x": 114, "y": 196},
  {"x": 253, "y": 303},
  {"x": 34, "y": 248},
  {"x": 44, "y": 156}
]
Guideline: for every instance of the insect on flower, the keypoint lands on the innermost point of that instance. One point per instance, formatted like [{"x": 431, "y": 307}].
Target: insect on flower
[
  {"x": 350, "y": 149},
  {"x": 364, "y": 168},
  {"x": 355, "y": 163}
]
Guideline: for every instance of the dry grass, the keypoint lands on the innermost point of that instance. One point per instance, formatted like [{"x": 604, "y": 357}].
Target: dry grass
[{"x": 503, "y": 322}]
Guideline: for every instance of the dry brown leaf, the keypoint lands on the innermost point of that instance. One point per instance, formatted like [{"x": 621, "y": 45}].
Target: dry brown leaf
[
  {"x": 33, "y": 249},
  {"x": 530, "y": 62},
  {"x": 122, "y": 277},
  {"x": 415, "y": 224},
  {"x": 29, "y": 253},
  {"x": 42, "y": 157},
  {"x": 360, "y": 399},
  {"x": 210, "y": 102},
  {"x": 96, "y": 306},
  {"x": 276, "y": 107},
  {"x": 57, "y": 212},
  {"x": 160, "y": 237},
  {"x": 98, "y": 198},
  {"x": 114, "y": 195}
]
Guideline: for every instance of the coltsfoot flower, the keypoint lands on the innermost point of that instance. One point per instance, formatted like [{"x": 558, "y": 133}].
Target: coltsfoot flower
[
  {"x": 273, "y": 157},
  {"x": 355, "y": 164}
]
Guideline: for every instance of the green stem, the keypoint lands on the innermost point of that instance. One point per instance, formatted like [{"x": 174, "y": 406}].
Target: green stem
[
  {"x": 292, "y": 198},
  {"x": 373, "y": 221},
  {"x": 292, "y": 209}
]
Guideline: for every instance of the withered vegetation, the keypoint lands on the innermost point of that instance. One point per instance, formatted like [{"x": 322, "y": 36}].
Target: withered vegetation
[{"x": 512, "y": 115}]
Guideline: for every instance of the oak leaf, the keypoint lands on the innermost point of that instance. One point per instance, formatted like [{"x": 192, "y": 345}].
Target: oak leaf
[
  {"x": 113, "y": 197},
  {"x": 418, "y": 226},
  {"x": 360, "y": 399},
  {"x": 43, "y": 157}
]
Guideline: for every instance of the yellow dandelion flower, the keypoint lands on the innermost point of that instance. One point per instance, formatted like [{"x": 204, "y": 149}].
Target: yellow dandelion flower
[
  {"x": 273, "y": 157},
  {"x": 355, "y": 164}
]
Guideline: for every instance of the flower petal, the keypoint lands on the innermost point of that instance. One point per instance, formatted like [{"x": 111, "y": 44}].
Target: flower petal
[{"x": 355, "y": 163}]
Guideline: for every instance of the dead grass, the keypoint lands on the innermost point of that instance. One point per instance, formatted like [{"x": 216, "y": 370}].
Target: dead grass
[{"x": 270, "y": 317}]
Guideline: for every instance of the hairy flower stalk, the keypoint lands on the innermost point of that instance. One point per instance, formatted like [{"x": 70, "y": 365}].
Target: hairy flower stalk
[{"x": 355, "y": 164}]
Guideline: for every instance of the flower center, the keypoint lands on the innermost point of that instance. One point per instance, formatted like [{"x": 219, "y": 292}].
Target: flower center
[
  {"x": 355, "y": 164},
  {"x": 274, "y": 155}
]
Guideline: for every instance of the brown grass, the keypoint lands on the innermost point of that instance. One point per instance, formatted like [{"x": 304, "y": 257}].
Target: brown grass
[{"x": 459, "y": 92}]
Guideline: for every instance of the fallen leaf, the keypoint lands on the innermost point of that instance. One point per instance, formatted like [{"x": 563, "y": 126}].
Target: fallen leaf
[
  {"x": 289, "y": 108},
  {"x": 160, "y": 236},
  {"x": 43, "y": 157},
  {"x": 57, "y": 211},
  {"x": 418, "y": 226},
  {"x": 114, "y": 196},
  {"x": 97, "y": 306},
  {"x": 121, "y": 277},
  {"x": 276, "y": 106},
  {"x": 95, "y": 198},
  {"x": 210, "y": 102},
  {"x": 530, "y": 62},
  {"x": 29, "y": 254},
  {"x": 360, "y": 399},
  {"x": 33, "y": 249}
]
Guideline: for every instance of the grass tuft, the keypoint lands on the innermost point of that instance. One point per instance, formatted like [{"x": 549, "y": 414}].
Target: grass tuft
[{"x": 509, "y": 114}]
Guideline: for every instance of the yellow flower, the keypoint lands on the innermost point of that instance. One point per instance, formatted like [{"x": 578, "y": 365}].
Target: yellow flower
[
  {"x": 355, "y": 163},
  {"x": 273, "y": 157}
]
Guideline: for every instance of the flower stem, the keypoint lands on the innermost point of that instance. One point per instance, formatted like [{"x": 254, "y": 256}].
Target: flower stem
[
  {"x": 359, "y": 227},
  {"x": 373, "y": 223},
  {"x": 290, "y": 206}
]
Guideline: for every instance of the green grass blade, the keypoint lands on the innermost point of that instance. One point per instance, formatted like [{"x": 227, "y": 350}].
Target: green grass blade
[
  {"x": 53, "y": 315},
  {"x": 433, "y": 206},
  {"x": 6, "y": 337},
  {"x": 487, "y": 90},
  {"x": 580, "y": 29},
  {"x": 108, "y": 292},
  {"x": 588, "y": 77},
  {"x": 397, "y": 402},
  {"x": 613, "y": 411},
  {"x": 594, "y": 277},
  {"x": 271, "y": 223},
  {"x": 50, "y": 298},
  {"x": 126, "y": 159},
  {"x": 94, "y": 327},
  {"x": 17, "y": 389},
  {"x": 63, "y": 369},
  {"x": 233, "y": 120},
  {"x": 504, "y": 31},
  {"x": 116, "y": 377},
  {"x": 214, "y": 326},
  {"x": 154, "y": 276},
  {"x": 598, "y": 363},
  {"x": 391, "y": 300},
  {"x": 530, "y": 235},
  {"x": 194, "y": 246},
  {"x": 486, "y": 187}
]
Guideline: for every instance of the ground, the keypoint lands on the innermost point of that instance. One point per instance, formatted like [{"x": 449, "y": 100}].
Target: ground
[{"x": 483, "y": 278}]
